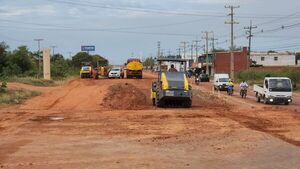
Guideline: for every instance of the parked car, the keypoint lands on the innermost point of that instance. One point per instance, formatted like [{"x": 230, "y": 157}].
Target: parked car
[
  {"x": 115, "y": 73},
  {"x": 204, "y": 77}
]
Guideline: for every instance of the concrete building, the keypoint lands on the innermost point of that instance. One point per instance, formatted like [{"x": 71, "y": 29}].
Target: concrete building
[
  {"x": 274, "y": 59},
  {"x": 222, "y": 61}
]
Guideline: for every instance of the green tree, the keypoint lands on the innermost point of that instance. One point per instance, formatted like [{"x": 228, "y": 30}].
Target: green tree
[
  {"x": 57, "y": 57},
  {"x": 80, "y": 58},
  {"x": 60, "y": 68},
  {"x": 98, "y": 60},
  {"x": 149, "y": 62},
  {"x": 23, "y": 58},
  {"x": 297, "y": 58},
  {"x": 3, "y": 56},
  {"x": 83, "y": 57}
]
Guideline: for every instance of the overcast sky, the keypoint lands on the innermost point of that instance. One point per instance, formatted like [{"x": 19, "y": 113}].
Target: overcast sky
[{"x": 119, "y": 28}]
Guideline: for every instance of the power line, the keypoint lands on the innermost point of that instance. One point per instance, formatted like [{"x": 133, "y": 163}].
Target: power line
[
  {"x": 144, "y": 10},
  {"x": 282, "y": 27},
  {"x": 121, "y": 28},
  {"x": 280, "y": 18}
]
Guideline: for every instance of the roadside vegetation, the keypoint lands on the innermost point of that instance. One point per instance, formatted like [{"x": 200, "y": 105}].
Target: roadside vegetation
[
  {"x": 32, "y": 81},
  {"x": 8, "y": 96},
  {"x": 253, "y": 76},
  {"x": 22, "y": 65}
]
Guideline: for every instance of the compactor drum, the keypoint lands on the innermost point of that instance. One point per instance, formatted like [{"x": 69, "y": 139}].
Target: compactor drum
[{"x": 172, "y": 87}]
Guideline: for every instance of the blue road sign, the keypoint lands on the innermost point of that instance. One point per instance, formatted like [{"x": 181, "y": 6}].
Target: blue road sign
[{"x": 88, "y": 48}]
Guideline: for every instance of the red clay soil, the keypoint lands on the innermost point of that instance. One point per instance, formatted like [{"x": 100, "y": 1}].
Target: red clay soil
[
  {"x": 125, "y": 96},
  {"x": 110, "y": 123}
]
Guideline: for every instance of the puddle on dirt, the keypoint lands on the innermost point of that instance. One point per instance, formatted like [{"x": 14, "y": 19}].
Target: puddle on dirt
[{"x": 47, "y": 118}]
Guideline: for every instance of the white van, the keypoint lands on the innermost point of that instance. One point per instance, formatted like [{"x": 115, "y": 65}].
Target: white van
[{"x": 221, "y": 81}]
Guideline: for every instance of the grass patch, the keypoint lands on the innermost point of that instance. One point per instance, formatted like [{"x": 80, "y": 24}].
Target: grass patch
[
  {"x": 33, "y": 81},
  {"x": 8, "y": 96},
  {"x": 253, "y": 76}
]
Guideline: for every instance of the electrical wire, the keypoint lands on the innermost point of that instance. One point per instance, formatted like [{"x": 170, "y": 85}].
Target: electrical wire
[{"x": 144, "y": 10}]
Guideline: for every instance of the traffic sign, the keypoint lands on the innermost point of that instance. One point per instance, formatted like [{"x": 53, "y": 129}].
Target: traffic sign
[{"x": 88, "y": 48}]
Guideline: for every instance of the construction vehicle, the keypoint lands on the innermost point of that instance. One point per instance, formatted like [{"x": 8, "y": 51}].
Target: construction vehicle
[
  {"x": 171, "y": 87},
  {"x": 133, "y": 69},
  {"x": 101, "y": 71},
  {"x": 86, "y": 70},
  {"x": 274, "y": 90}
]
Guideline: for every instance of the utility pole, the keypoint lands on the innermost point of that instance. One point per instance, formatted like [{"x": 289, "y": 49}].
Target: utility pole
[
  {"x": 179, "y": 52},
  {"x": 39, "y": 57},
  {"x": 232, "y": 22},
  {"x": 184, "y": 49},
  {"x": 169, "y": 52},
  {"x": 196, "y": 48},
  {"x": 53, "y": 47},
  {"x": 158, "y": 49},
  {"x": 206, "y": 37},
  {"x": 249, "y": 31},
  {"x": 213, "y": 54},
  {"x": 192, "y": 51},
  {"x": 162, "y": 51}
]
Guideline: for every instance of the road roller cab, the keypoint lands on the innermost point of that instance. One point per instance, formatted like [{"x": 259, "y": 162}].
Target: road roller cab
[{"x": 171, "y": 87}]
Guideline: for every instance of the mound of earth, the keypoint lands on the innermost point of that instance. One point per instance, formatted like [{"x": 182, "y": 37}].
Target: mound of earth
[
  {"x": 204, "y": 99},
  {"x": 124, "y": 96}
]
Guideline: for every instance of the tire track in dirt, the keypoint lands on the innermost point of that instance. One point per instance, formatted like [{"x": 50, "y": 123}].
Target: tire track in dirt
[
  {"x": 62, "y": 97},
  {"x": 258, "y": 116},
  {"x": 278, "y": 128}
]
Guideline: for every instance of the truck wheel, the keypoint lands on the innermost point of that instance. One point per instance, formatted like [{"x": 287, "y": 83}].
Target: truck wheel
[
  {"x": 153, "y": 102},
  {"x": 160, "y": 103},
  {"x": 258, "y": 99},
  {"x": 266, "y": 101}
]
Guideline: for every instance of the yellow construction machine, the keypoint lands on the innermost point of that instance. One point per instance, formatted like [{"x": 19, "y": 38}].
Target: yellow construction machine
[{"x": 171, "y": 87}]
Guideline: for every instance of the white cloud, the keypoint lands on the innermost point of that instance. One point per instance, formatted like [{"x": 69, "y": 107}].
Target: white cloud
[{"x": 42, "y": 10}]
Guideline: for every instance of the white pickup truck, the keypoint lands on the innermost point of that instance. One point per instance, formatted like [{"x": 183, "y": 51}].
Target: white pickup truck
[{"x": 274, "y": 90}]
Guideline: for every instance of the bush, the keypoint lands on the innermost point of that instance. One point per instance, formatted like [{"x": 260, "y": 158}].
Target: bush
[
  {"x": 16, "y": 96},
  {"x": 257, "y": 76}
]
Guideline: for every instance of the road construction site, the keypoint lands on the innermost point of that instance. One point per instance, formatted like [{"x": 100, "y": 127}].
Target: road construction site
[{"x": 111, "y": 123}]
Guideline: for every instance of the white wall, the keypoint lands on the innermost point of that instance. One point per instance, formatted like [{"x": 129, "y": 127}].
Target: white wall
[{"x": 284, "y": 59}]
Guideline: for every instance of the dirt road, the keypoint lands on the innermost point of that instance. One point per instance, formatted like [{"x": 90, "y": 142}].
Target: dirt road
[{"x": 110, "y": 123}]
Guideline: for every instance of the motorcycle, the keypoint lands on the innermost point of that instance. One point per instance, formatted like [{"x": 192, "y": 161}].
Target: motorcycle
[
  {"x": 243, "y": 92},
  {"x": 230, "y": 90},
  {"x": 197, "y": 80}
]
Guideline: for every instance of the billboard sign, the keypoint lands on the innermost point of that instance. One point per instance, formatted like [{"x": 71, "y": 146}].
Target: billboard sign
[{"x": 88, "y": 48}]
